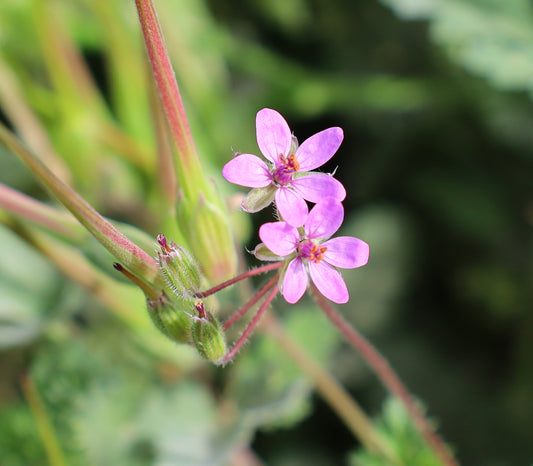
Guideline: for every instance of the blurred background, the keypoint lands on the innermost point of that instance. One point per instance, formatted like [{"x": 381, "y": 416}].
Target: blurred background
[{"x": 435, "y": 99}]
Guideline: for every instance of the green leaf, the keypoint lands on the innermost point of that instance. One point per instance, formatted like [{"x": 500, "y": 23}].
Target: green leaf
[{"x": 397, "y": 430}]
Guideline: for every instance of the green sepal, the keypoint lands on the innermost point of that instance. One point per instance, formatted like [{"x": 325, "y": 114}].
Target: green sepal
[
  {"x": 262, "y": 253},
  {"x": 259, "y": 198},
  {"x": 171, "y": 318},
  {"x": 179, "y": 267},
  {"x": 209, "y": 338}
]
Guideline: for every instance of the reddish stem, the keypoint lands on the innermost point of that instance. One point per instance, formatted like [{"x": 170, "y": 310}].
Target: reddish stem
[
  {"x": 235, "y": 317},
  {"x": 387, "y": 376},
  {"x": 238, "y": 278},
  {"x": 229, "y": 356},
  {"x": 165, "y": 80}
]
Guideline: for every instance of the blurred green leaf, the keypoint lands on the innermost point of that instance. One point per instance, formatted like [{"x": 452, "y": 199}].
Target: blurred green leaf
[
  {"x": 489, "y": 38},
  {"x": 28, "y": 289},
  {"x": 267, "y": 385},
  {"x": 397, "y": 430}
]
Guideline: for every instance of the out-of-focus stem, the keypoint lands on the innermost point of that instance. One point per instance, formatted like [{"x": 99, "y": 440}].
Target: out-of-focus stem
[
  {"x": 330, "y": 389},
  {"x": 39, "y": 213},
  {"x": 27, "y": 123},
  {"x": 44, "y": 425},
  {"x": 387, "y": 376},
  {"x": 137, "y": 260}
]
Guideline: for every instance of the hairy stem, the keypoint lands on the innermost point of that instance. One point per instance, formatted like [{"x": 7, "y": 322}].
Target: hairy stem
[
  {"x": 243, "y": 310},
  {"x": 387, "y": 376},
  {"x": 238, "y": 278},
  {"x": 253, "y": 323}
]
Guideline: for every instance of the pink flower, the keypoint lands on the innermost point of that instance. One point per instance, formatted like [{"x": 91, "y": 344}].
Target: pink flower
[
  {"x": 287, "y": 177},
  {"x": 309, "y": 252}
]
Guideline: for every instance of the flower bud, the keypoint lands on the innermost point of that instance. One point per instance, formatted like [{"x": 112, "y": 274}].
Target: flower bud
[
  {"x": 179, "y": 268},
  {"x": 208, "y": 231},
  {"x": 208, "y": 335},
  {"x": 171, "y": 319}
]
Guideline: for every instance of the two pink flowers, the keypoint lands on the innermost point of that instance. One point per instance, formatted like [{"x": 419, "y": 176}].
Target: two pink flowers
[{"x": 301, "y": 238}]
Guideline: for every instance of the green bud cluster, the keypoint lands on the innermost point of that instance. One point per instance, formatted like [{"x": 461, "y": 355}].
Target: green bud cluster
[{"x": 177, "y": 312}]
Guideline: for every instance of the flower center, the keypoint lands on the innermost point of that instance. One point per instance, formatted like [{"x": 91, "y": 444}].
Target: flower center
[
  {"x": 289, "y": 165},
  {"x": 311, "y": 251}
]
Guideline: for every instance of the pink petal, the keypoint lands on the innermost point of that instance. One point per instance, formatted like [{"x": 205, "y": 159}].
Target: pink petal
[
  {"x": 324, "y": 219},
  {"x": 295, "y": 281},
  {"x": 292, "y": 208},
  {"x": 329, "y": 282},
  {"x": 316, "y": 187},
  {"x": 319, "y": 148},
  {"x": 346, "y": 252},
  {"x": 279, "y": 237},
  {"x": 273, "y": 134},
  {"x": 247, "y": 170}
]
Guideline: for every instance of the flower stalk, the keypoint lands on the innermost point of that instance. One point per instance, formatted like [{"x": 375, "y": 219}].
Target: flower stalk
[
  {"x": 201, "y": 214},
  {"x": 387, "y": 376},
  {"x": 238, "y": 278},
  {"x": 250, "y": 327}
]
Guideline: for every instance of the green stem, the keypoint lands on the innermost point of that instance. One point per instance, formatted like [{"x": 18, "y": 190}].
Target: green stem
[
  {"x": 331, "y": 391},
  {"x": 39, "y": 213},
  {"x": 387, "y": 376},
  {"x": 137, "y": 260},
  {"x": 44, "y": 425}
]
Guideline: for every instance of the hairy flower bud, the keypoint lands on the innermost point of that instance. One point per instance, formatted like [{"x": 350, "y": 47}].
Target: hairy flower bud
[
  {"x": 208, "y": 335},
  {"x": 171, "y": 318},
  {"x": 179, "y": 268}
]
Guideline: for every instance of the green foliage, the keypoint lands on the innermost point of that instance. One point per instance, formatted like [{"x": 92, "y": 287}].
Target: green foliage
[
  {"x": 489, "y": 38},
  {"x": 267, "y": 385},
  {"x": 17, "y": 427},
  {"x": 404, "y": 440},
  {"x": 28, "y": 286}
]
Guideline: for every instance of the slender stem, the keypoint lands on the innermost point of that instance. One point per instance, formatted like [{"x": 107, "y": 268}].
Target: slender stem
[
  {"x": 387, "y": 376},
  {"x": 235, "y": 317},
  {"x": 229, "y": 356},
  {"x": 238, "y": 278},
  {"x": 167, "y": 87},
  {"x": 331, "y": 391},
  {"x": 44, "y": 425},
  {"x": 137, "y": 260},
  {"x": 27, "y": 208}
]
